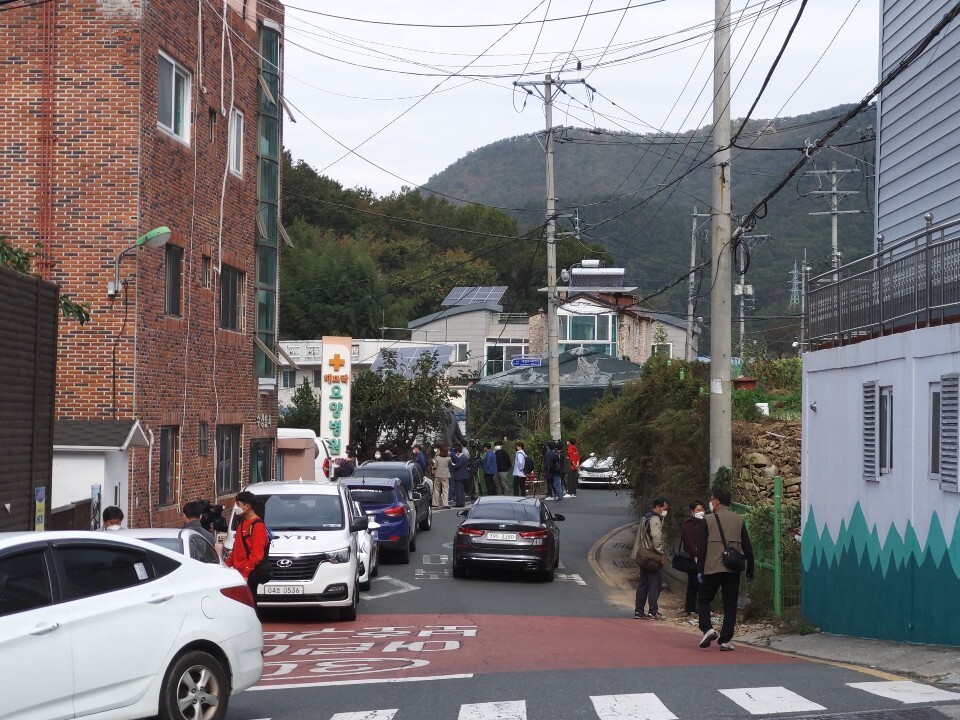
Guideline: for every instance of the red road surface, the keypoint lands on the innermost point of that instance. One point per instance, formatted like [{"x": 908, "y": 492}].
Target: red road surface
[{"x": 390, "y": 647}]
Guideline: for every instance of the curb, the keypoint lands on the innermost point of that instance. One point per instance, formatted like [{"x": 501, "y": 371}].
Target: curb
[{"x": 593, "y": 555}]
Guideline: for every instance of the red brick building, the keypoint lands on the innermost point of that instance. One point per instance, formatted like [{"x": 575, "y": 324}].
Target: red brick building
[{"x": 122, "y": 116}]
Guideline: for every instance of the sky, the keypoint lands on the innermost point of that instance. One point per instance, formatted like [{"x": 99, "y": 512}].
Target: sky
[{"x": 410, "y": 90}]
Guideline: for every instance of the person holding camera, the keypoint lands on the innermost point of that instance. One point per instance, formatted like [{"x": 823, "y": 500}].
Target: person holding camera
[
  {"x": 723, "y": 552},
  {"x": 193, "y": 511},
  {"x": 554, "y": 471}
]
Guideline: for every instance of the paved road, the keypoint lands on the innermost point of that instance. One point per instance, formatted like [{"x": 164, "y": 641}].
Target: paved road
[{"x": 495, "y": 647}]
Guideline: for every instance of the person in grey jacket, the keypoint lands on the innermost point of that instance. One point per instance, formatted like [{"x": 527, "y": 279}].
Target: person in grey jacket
[
  {"x": 652, "y": 537},
  {"x": 713, "y": 574},
  {"x": 458, "y": 475}
]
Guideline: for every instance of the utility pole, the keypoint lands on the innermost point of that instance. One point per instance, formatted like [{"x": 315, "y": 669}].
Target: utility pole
[
  {"x": 835, "y": 196},
  {"x": 692, "y": 284},
  {"x": 721, "y": 431},
  {"x": 741, "y": 289},
  {"x": 553, "y": 349}
]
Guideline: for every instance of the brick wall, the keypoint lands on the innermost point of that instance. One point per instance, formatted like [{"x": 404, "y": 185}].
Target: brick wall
[{"x": 115, "y": 176}]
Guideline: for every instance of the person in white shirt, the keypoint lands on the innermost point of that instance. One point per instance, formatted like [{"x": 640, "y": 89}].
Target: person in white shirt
[{"x": 519, "y": 476}]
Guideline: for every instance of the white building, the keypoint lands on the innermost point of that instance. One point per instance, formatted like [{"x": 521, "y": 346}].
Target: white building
[{"x": 881, "y": 508}]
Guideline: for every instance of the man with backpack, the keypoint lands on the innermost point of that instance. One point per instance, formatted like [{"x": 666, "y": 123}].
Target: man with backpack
[
  {"x": 554, "y": 470},
  {"x": 521, "y": 461},
  {"x": 651, "y": 580},
  {"x": 251, "y": 545}
]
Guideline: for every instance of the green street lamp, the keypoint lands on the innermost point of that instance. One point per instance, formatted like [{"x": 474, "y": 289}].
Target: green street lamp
[{"x": 155, "y": 238}]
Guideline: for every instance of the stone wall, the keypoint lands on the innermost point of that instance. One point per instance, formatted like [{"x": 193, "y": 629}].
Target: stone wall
[{"x": 761, "y": 452}]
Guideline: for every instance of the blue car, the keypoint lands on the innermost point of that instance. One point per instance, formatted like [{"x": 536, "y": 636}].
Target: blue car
[{"x": 386, "y": 501}]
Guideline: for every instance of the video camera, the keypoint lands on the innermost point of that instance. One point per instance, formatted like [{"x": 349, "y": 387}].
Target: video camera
[{"x": 211, "y": 517}]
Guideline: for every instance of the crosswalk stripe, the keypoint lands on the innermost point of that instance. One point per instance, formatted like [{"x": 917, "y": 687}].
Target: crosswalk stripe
[
  {"x": 906, "y": 691},
  {"x": 770, "y": 700},
  {"x": 642, "y": 706},
  {"x": 512, "y": 710},
  {"x": 369, "y": 715}
]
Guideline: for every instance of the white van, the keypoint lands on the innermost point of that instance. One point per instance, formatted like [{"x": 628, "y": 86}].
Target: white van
[
  {"x": 314, "y": 558},
  {"x": 301, "y": 455}
]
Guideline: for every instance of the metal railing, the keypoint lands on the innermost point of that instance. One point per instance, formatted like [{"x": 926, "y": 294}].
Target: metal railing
[{"x": 910, "y": 284}]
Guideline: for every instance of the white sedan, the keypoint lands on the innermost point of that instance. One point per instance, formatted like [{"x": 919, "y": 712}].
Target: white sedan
[
  {"x": 368, "y": 548},
  {"x": 600, "y": 471},
  {"x": 118, "y": 628}
]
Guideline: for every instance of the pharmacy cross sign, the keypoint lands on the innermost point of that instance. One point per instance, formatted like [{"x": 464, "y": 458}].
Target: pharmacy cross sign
[{"x": 337, "y": 362}]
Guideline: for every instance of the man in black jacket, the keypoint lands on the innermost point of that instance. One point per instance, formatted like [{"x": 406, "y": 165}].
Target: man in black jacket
[
  {"x": 724, "y": 530},
  {"x": 504, "y": 467},
  {"x": 458, "y": 475}
]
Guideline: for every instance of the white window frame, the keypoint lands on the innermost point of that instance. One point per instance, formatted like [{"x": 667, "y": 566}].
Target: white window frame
[
  {"x": 885, "y": 430},
  {"x": 288, "y": 378},
  {"x": 667, "y": 345},
  {"x": 461, "y": 349},
  {"x": 933, "y": 446},
  {"x": 185, "y": 119},
  {"x": 236, "y": 142}
]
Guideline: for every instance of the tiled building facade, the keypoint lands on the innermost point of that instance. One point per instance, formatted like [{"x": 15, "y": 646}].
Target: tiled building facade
[{"x": 120, "y": 118}]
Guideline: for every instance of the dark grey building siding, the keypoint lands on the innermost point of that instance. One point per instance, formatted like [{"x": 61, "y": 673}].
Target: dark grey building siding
[
  {"x": 918, "y": 139},
  {"x": 28, "y": 363}
]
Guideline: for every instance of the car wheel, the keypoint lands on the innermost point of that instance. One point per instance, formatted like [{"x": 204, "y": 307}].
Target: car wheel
[
  {"x": 458, "y": 572},
  {"x": 548, "y": 575},
  {"x": 350, "y": 612},
  {"x": 196, "y": 687},
  {"x": 365, "y": 584},
  {"x": 404, "y": 555},
  {"x": 427, "y": 522}
]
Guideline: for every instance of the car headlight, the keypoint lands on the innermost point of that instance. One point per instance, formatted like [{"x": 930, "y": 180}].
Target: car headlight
[{"x": 339, "y": 556}]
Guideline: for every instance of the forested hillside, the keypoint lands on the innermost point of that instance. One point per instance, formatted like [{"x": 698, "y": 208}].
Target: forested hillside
[{"x": 618, "y": 184}]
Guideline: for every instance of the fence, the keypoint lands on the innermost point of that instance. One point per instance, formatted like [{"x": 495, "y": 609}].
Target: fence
[{"x": 776, "y": 553}]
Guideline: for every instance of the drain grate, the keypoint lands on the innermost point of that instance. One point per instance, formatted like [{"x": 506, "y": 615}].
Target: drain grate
[
  {"x": 623, "y": 546},
  {"x": 630, "y": 564},
  {"x": 923, "y": 713}
]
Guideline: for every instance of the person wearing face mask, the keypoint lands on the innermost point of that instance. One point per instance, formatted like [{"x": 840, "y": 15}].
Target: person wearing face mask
[
  {"x": 112, "y": 518},
  {"x": 652, "y": 537},
  {"x": 688, "y": 538}
]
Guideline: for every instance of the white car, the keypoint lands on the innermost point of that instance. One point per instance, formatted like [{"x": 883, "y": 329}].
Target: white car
[
  {"x": 314, "y": 558},
  {"x": 117, "y": 628},
  {"x": 369, "y": 548},
  {"x": 600, "y": 471},
  {"x": 185, "y": 541}
]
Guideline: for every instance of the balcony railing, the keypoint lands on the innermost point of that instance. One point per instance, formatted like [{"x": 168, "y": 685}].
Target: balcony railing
[{"x": 911, "y": 284}]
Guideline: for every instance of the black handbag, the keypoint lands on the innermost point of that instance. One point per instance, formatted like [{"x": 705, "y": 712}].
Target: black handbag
[
  {"x": 682, "y": 560},
  {"x": 732, "y": 559}
]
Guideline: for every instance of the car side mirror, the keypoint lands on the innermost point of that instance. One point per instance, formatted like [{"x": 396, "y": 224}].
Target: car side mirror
[
  {"x": 559, "y": 517},
  {"x": 359, "y": 524},
  {"x": 462, "y": 513},
  {"x": 373, "y": 525},
  {"x": 422, "y": 487}
]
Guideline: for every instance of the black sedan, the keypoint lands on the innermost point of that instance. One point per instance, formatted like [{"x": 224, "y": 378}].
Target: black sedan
[{"x": 503, "y": 531}]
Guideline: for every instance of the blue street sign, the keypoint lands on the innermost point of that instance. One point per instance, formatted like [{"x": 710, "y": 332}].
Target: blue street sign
[{"x": 525, "y": 361}]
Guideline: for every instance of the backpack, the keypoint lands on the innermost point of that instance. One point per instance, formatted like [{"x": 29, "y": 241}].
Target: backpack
[
  {"x": 527, "y": 464},
  {"x": 554, "y": 464},
  {"x": 262, "y": 572}
]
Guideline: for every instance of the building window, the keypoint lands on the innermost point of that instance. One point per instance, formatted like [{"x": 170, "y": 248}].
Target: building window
[
  {"x": 174, "y": 279},
  {"x": 173, "y": 97},
  {"x": 591, "y": 332},
  {"x": 203, "y": 439},
  {"x": 228, "y": 459},
  {"x": 498, "y": 356},
  {"x": 261, "y": 465},
  {"x": 288, "y": 378},
  {"x": 236, "y": 142},
  {"x": 664, "y": 349},
  {"x": 169, "y": 453},
  {"x": 318, "y": 378},
  {"x": 935, "y": 431},
  {"x": 206, "y": 272},
  {"x": 886, "y": 430},
  {"x": 461, "y": 352},
  {"x": 231, "y": 298}
]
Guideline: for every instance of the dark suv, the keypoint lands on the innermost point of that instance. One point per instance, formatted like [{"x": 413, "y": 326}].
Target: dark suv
[{"x": 411, "y": 477}]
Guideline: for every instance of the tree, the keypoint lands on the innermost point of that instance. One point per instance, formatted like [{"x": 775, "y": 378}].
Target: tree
[
  {"x": 304, "y": 410},
  {"x": 397, "y": 407},
  {"x": 22, "y": 261}
]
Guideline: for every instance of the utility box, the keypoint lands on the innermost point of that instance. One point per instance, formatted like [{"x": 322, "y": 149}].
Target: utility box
[{"x": 29, "y": 311}]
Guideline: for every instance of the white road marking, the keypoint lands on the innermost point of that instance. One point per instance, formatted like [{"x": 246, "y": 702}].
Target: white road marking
[
  {"x": 561, "y": 566},
  {"x": 422, "y": 574},
  {"x": 642, "y": 706},
  {"x": 371, "y": 715},
  {"x": 511, "y": 710},
  {"x": 448, "y": 545},
  {"x": 435, "y": 559},
  {"x": 371, "y": 681},
  {"x": 906, "y": 691},
  {"x": 573, "y": 577},
  {"x": 770, "y": 700},
  {"x": 402, "y": 587}
]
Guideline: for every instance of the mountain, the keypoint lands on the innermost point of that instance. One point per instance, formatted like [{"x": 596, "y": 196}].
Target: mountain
[{"x": 628, "y": 194}]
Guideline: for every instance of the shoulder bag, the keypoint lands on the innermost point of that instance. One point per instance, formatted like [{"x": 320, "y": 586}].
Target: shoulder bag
[
  {"x": 262, "y": 572},
  {"x": 682, "y": 560},
  {"x": 732, "y": 559},
  {"x": 647, "y": 558}
]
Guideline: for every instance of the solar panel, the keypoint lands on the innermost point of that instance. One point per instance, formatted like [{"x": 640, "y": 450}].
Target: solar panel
[
  {"x": 473, "y": 295},
  {"x": 407, "y": 357}
]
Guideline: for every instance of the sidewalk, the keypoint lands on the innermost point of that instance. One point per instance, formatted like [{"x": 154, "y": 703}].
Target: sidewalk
[{"x": 610, "y": 558}]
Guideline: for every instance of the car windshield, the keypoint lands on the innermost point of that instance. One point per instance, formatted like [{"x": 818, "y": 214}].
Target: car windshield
[
  {"x": 170, "y": 543},
  {"x": 303, "y": 512},
  {"x": 373, "y": 495},
  {"x": 519, "y": 512}
]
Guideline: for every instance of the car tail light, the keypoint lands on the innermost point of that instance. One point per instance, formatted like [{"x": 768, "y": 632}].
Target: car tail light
[
  {"x": 533, "y": 534},
  {"x": 396, "y": 511},
  {"x": 469, "y": 531},
  {"x": 240, "y": 593},
  {"x": 326, "y": 467}
]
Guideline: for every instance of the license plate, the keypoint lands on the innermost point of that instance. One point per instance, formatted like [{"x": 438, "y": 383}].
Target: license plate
[
  {"x": 283, "y": 589},
  {"x": 501, "y": 536}
]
